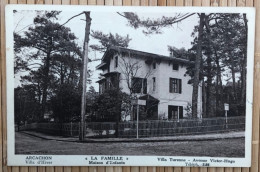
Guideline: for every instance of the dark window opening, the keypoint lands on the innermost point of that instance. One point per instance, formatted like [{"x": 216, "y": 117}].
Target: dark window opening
[
  {"x": 115, "y": 81},
  {"x": 116, "y": 61},
  {"x": 175, "y": 66},
  {"x": 154, "y": 65},
  {"x": 175, "y": 85},
  {"x": 154, "y": 83},
  {"x": 175, "y": 112},
  {"x": 102, "y": 87},
  {"x": 139, "y": 85}
]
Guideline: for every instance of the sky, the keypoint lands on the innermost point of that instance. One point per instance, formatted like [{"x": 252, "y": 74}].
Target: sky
[{"x": 179, "y": 35}]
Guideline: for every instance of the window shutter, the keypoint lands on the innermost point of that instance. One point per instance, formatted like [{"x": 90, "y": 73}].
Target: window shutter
[
  {"x": 145, "y": 86},
  {"x": 154, "y": 83},
  {"x": 180, "y": 86},
  {"x": 170, "y": 85},
  {"x": 180, "y": 112},
  {"x": 133, "y": 85}
]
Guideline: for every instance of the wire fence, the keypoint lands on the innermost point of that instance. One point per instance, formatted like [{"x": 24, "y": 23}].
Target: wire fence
[{"x": 151, "y": 128}]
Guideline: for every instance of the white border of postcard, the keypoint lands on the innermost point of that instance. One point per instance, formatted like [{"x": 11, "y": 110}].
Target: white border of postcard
[{"x": 121, "y": 160}]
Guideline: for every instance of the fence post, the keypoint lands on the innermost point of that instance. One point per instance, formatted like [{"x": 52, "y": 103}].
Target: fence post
[
  {"x": 79, "y": 127},
  {"x": 137, "y": 121},
  {"x": 71, "y": 129}
]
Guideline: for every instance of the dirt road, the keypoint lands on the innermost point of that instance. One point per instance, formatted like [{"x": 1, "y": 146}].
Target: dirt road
[{"x": 25, "y": 144}]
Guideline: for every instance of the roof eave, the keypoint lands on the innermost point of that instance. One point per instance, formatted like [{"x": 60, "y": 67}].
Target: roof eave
[{"x": 146, "y": 54}]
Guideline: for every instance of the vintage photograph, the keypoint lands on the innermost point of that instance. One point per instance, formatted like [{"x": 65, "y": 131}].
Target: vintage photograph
[{"x": 145, "y": 82}]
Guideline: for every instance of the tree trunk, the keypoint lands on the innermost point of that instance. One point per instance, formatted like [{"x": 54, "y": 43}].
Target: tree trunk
[
  {"x": 219, "y": 87},
  {"x": 204, "y": 96},
  {"x": 209, "y": 104},
  {"x": 197, "y": 68},
  {"x": 243, "y": 71},
  {"x": 118, "y": 117},
  {"x": 84, "y": 78},
  {"x": 80, "y": 77},
  {"x": 233, "y": 80},
  {"x": 45, "y": 84}
]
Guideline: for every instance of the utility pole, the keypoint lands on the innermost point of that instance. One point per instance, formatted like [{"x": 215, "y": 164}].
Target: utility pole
[
  {"x": 84, "y": 78},
  {"x": 82, "y": 130}
]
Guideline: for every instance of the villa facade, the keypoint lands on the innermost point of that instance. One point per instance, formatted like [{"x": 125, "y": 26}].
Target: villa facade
[{"x": 158, "y": 79}]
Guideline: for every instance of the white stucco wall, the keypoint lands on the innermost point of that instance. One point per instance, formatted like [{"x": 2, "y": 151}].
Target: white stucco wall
[
  {"x": 143, "y": 71},
  {"x": 162, "y": 73},
  {"x": 165, "y": 72}
]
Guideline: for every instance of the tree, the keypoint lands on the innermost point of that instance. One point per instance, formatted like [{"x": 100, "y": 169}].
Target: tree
[
  {"x": 66, "y": 104},
  {"x": 104, "y": 42},
  {"x": 107, "y": 40},
  {"x": 40, "y": 51},
  {"x": 178, "y": 53},
  {"x": 222, "y": 50},
  {"x": 153, "y": 26},
  {"x": 109, "y": 106},
  {"x": 91, "y": 98},
  {"x": 26, "y": 104}
]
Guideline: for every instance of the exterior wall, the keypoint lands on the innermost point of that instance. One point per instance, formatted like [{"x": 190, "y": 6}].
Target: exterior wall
[
  {"x": 162, "y": 73},
  {"x": 142, "y": 72},
  {"x": 166, "y": 98}
]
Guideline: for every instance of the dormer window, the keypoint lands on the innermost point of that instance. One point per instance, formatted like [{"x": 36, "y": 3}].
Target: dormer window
[
  {"x": 175, "y": 66},
  {"x": 154, "y": 65}
]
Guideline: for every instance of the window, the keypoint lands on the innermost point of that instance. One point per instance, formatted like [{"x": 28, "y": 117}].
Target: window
[
  {"x": 175, "y": 66},
  {"x": 175, "y": 112},
  {"x": 154, "y": 83},
  {"x": 175, "y": 85},
  {"x": 154, "y": 65},
  {"x": 102, "y": 87},
  {"x": 114, "y": 81},
  {"x": 139, "y": 85},
  {"x": 116, "y": 61}
]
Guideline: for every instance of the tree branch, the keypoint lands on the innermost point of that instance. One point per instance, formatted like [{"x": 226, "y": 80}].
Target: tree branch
[{"x": 71, "y": 18}]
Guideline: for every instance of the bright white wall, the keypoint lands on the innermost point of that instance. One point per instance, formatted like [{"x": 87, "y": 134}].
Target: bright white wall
[{"x": 162, "y": 73}]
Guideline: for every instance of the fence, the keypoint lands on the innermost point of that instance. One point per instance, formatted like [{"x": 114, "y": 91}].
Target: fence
[
  {"x": 157, "y": 128},
  {"x": 183, "y": 127}
]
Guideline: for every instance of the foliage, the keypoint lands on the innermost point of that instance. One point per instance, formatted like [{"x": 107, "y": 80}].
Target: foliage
[
  {"x": 153, "y": 25},
  {"x": 107, "y": 40},
  {"x": 188, "y": 110},
  {"x": 49, "y": 60},
  {"x": 66, "y": 104},
  {"x": 223, "y": 59},
  {"x": 26, "y": 104},
  {"x": 109, "y": 104},
  {"x": 178, "y": 53}
]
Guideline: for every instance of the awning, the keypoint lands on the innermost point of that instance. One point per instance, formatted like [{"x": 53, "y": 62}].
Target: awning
[
  {"x": 101, "y": 66},
  {"x": 149, "y": 98},
  {"x": 101, "y": 80},
  {"x": 110, "y": 73}
]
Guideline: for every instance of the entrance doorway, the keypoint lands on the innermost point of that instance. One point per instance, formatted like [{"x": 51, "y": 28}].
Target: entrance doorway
[{"x": 175, "y": 112}]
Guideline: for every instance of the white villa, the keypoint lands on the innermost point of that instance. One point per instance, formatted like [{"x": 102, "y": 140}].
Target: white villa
[{"x": 160, "y": 80}]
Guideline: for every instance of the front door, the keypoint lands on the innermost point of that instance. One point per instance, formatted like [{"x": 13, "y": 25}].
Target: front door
[{"x": 175, "y": 112}]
